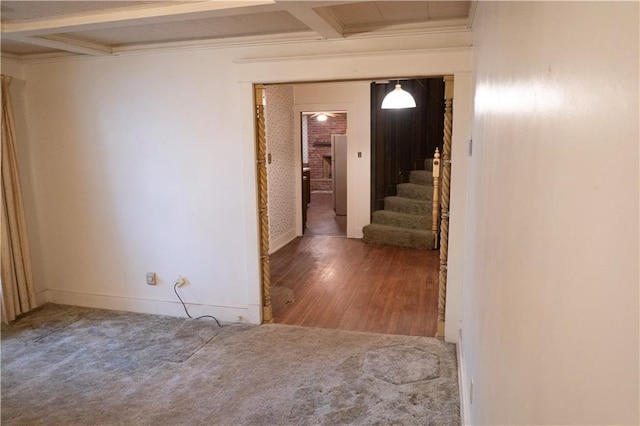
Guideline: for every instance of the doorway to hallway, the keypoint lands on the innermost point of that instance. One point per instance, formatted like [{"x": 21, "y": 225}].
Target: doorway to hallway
[
  {"x": 271, "y": 280},
  {"x": 324, "y": 170}
]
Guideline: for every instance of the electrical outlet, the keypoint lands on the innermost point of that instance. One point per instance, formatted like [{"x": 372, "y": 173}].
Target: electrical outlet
[
  {"x": 151, "y": 278},
  {"x": 181, "y": 281}
]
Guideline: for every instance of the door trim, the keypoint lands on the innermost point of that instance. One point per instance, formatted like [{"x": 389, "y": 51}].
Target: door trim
[
  {"x": 263, "y": 214},
  {"x": 444, "y": 202}
]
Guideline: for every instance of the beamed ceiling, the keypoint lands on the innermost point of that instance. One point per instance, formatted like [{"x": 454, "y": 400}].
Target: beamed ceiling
[{"x": 45, "y": 28}]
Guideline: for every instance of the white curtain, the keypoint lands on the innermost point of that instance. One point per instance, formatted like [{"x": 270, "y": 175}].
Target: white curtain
[{"x": 17, "y": 282}]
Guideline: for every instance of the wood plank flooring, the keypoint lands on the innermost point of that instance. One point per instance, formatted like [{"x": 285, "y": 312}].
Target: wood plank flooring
[
  {"x": 346, "y": 284},
  {"x": 322, "y": 219}
]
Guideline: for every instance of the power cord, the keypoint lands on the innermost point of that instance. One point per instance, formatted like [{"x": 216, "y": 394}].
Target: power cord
[{"x": 175, "y": 290}]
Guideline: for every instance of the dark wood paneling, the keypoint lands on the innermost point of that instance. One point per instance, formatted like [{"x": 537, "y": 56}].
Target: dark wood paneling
[{"x": 402, "y": 139}]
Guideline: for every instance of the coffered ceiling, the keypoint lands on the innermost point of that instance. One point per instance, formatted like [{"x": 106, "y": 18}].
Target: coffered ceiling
[{"x": 37, "y": 28}]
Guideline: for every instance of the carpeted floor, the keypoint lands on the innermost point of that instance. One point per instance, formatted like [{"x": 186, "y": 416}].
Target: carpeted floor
[{"x": 79, "y": 366}]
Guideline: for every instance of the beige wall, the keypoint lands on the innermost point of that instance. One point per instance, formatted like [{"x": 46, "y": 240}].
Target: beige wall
[{"x": 550, "y": 328}]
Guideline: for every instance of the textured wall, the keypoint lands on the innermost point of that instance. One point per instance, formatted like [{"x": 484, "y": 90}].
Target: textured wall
[
  {"x": 305, "y": 139},
  {"x": 281, "y": 171}
]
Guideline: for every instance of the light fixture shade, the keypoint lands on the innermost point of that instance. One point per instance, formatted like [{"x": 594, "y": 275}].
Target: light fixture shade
[
  {"x": 322, "y": 117},
  {"x": 398, "y": 99}
]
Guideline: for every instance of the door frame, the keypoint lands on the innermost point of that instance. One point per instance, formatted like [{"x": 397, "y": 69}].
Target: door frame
[
  {"x": 298, "y": 109},
  {"x": 349, "y": 107}
]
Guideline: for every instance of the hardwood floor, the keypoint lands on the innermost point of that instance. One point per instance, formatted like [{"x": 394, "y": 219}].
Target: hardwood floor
[
  {"x": 346, "y": 284},
  {"x": 322, "y": 219}
]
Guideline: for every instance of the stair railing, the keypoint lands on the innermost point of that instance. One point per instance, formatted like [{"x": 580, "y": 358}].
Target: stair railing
[{"x": 435, "y": 207}]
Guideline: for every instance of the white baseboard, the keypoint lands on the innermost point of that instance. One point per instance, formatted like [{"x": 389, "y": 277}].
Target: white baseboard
[
  {"x": 462, "y": 380},
  {"x": 284, "y": 239},
  {"x": 250, "y": 314}
]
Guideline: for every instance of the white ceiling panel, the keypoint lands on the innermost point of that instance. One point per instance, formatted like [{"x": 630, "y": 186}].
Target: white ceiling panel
[
  {"x": 95, "y": 27},
  {"x": 256, "y": 23},
  {"x": 152, "y": 33},
  {"x": 448, "y": 9},
  {"x": 228, "y": 26},
  {"x": 357, "y": 13},
  {"x": 403, "y": 11}
]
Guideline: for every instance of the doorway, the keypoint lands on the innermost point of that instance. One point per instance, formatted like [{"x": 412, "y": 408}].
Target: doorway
[
  {"x": 324, "y": 170},
  {"x": 265, "y": 258}
]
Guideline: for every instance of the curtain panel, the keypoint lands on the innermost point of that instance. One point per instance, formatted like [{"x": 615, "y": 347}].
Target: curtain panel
[{"x": 17, "y": 282}]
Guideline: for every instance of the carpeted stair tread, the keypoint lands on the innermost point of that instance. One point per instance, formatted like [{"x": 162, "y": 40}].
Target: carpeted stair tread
[
  {"x": 416, "y": 192},
  {"x": 398, "y": 237},
  {"x": 407, "y": 205},
  {"x": 402, "y": 220},
  {"x": 421, "y": 177}
]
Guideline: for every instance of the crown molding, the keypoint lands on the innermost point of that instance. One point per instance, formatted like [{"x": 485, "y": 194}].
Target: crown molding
[
  {"x": 354, "y": 54},
  {"x": 360, "y": 33}
]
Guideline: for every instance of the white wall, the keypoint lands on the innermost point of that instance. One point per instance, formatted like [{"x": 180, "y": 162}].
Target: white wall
[
  {"x": 462, "y": 117},
  {"x": 284, "y": 166},
  {"x": 550, "y": 328},
  {"x": 146, "y": 162}
]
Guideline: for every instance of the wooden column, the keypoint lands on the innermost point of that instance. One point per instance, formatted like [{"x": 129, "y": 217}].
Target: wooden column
[
  {"x": 261, "y": 156},
  {"x": 444, "y": 204}
]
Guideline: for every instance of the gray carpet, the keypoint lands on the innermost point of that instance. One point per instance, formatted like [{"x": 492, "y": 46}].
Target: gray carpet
[{"x": 78, "y": 366}]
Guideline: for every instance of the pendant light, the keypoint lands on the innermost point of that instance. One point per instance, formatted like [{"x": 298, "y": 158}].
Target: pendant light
[{"x": 398, "y": 99}]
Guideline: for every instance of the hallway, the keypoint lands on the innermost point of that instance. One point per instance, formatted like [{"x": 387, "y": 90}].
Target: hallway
[{"x": 322, "y": 219}]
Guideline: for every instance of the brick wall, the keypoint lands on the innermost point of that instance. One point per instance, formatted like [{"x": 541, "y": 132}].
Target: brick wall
[{"x": 319, "y": 137}]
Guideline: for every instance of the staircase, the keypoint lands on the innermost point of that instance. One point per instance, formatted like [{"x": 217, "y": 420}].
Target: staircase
[{"x": 406, "y": 218}]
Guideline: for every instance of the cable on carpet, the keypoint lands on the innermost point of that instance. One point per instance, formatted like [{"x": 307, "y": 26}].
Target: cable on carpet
[{"x": 175, "y": 290}]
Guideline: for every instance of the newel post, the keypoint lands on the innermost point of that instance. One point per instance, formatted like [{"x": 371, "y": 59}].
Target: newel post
[{"x": 435, "y": 207}]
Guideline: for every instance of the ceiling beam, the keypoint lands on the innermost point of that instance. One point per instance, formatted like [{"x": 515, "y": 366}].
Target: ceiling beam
[
  {"x": 135, "y": 16},
  {"x": 317, "y": 19},
  {"x": 66, "y": 43}
]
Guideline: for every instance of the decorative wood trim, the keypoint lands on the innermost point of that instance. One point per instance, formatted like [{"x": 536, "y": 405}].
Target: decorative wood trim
[
  {"x": 444, "y": 205},
  {"x": 263, "y": 214},
  {"x": 66, "y": 43},
  {"x": 435, "y": 207},
  {"x": 137, "y": 15}
]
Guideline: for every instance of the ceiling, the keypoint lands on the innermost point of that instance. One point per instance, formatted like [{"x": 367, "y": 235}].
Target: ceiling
[{"x": 44, "y": 28}]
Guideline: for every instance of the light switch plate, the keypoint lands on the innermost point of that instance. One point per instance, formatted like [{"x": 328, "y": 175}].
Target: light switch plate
[{"x": 151, "y": 278}]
